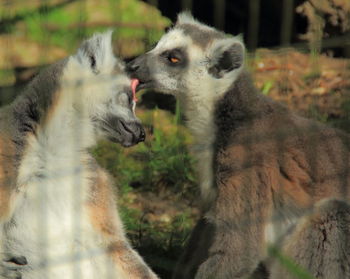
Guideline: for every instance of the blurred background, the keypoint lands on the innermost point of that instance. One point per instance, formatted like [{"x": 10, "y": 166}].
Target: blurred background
[{"x": 299, "y": 53}]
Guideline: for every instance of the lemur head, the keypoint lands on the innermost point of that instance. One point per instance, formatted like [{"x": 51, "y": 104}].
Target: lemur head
[
  {"x": 190, "y": 60},
  {"x": 100, "y": 91}
]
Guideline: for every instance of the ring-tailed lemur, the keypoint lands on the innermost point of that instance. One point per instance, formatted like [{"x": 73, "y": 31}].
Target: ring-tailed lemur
[
  {"x": 261, "y": 167},
  {"x": 58, "y": 208}
]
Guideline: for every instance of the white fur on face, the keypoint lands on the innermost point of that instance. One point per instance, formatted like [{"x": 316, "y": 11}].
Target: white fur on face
[
  {"x": 93, "y": 86},
  {"x": 87, "y": 90},
  {"x": 173, "y": 39},
  {"x": 104, "y": 81},
  {"x": 197, "y": 82}
]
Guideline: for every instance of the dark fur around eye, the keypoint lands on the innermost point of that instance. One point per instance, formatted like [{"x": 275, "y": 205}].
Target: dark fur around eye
[
  {"x": 92, "y": 61},
  {"x": 178, "y": 54}
]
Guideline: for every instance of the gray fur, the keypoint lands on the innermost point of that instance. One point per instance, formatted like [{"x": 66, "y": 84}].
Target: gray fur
[
  {"x": 270, "y": 166},
  {"x": 327, "y": 230},
  {"x": 16, "y": 120},
  {"x": 26, "y": 112},
  {"x": 201, "y": 37},
  {"x": 228, "y": 60},
  {"x": 32, "y": 105},
  {"x": 45, "y": 135},
  {"x": 200, "y": 241}
]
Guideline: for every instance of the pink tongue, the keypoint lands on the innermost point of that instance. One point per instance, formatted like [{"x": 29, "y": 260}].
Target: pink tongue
[{"x": 134, "y": 83}]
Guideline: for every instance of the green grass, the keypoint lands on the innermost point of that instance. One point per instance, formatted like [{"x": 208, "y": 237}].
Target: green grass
[
  {"x": 266, "y": 88},
  {"x": 289, "y": 265},
  {"x": 63, "y": 25},
  {"x": 313, "y": 75},
  {"x": 82, "y": 12},
  {"x": 162, "y": 163},
  {"x": 343, "y": 122},
  {"x": 314, "y": 113}
]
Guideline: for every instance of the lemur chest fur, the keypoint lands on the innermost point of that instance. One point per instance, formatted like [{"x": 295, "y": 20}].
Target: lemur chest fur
[
  {"x": 200, "y": 120},
  {"x": 50, "y": 224}
]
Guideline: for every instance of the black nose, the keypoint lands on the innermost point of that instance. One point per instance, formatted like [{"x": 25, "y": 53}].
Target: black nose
[
  {"x": 138, "y": 65},
  {"x": 142, "y": 136},
  {"x": 136, "y": 130},
  {"x": 139, "y": 134}
]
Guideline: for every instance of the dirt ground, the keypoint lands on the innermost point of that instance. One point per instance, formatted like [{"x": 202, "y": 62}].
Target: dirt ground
[{"x": 304, "y": 82}]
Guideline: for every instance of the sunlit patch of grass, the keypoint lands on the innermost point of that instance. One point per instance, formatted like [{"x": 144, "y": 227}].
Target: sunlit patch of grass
[
  {"x": 266, "y": 88},
  {"x": 7, "y": 77},
  {"x": 67, "y": 25}
]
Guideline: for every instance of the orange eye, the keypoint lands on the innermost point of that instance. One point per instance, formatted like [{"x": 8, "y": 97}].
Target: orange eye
[{"x": 174, "y": 60}]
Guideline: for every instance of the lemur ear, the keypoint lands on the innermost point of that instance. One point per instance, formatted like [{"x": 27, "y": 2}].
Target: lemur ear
[
  {"x": 185, "y": 17},
  {"x": 226, "y": 56},
  {"x": 97, "y": 53}
]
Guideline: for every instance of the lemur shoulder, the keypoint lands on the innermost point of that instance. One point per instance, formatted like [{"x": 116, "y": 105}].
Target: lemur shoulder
[{"x": 265, "y": 173}]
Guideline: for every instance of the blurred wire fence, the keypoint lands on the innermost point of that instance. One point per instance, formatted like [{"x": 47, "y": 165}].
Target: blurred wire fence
[{"x": 34, "y": 34}]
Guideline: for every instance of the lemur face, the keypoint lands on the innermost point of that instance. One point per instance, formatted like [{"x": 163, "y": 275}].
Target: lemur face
[
  {"x": 102, "y": 91},
  {"x": 191, "y": 60}
]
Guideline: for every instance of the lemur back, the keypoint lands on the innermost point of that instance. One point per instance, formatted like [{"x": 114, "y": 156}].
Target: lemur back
[
  {"x": 261, "y": 167},
  {"x": 59, "y": 207}
]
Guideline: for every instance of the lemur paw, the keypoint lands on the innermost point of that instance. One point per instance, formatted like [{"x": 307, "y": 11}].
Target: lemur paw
[{"x": 10, "y": 266}]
